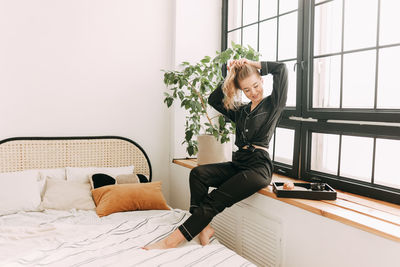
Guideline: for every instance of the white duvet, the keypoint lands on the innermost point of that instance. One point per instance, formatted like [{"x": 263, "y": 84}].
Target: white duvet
[{"x": 81, "y": 238}]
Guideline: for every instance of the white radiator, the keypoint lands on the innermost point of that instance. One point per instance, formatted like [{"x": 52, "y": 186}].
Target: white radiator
[{"x": 255, "y": 237}]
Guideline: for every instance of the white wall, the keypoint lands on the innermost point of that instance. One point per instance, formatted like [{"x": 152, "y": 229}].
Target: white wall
[
  {"x": 197, "y": 34},
  {"x": 87, "y": 67}
]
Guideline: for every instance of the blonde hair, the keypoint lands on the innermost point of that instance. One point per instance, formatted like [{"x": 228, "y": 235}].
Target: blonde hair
[{"x": 231, "y": 86}]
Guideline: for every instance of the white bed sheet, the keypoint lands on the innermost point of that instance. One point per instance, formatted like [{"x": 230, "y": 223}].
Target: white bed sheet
[{"x": 81, "y": 238}]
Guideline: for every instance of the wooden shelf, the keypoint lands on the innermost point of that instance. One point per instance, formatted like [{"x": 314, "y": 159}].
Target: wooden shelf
[{"x": 374, "y": 216}]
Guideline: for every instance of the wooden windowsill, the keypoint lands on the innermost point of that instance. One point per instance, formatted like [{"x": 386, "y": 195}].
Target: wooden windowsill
[{"x": 371, "y": 215}]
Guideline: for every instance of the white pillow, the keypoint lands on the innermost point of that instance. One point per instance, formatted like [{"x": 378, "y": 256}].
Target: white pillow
[
  {"x": 19, "y": 191},
  {"x": 82, "y": 175},
  {"x": 67, "y": 195},
  {"x": 56, "y": 173}
]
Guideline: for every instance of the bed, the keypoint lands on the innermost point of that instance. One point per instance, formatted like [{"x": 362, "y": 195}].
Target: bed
[{"x": 36, "y": 235}]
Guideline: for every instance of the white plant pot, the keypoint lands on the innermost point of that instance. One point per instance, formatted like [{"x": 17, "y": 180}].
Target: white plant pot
[{"x": 212, "y": 151}]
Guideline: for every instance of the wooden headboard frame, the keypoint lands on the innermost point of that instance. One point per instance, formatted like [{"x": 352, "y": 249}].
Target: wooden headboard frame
[{"x": 23, "y": 153}]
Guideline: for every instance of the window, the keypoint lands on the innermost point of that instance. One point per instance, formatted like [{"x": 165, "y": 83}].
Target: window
[{"x": 342, "y": 120}]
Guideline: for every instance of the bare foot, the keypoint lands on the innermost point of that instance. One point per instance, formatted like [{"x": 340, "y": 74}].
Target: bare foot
[
  {"x": 205, "y": 235},
  {"x": 171, "y": 241}
]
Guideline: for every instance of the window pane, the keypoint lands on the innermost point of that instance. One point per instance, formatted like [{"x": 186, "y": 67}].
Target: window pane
[
  {"x": 250, "y": 11},
  {"x": 287, "y": 36},
  {"x": 359, "y": 79},
  {"x": 234, "y": 14},
  {"x": 388, "y": 78},
  {"x": 268, "y": 37},
  {"x": 389, "y": 22},
  {"x": 328, "y": 28},
  {"x": 291, "y": 99},
  {"x": 267, "y": 85},
  {"x": 287, "y": 5},
  {"x": 284, "y": 145},
  {"x": 325, "y": 153},
  {"x": 271, "y": 147},
  {"x": 268, "y": 8},
  {"x": 360, "y": 23},
  {"x": 356, "y": 157},
  {"x": 326, "y": 82},
  {"x": 386, "y": 162},
  {"x": 250, "y": 36},
  {"x": 234, "y": 36}
]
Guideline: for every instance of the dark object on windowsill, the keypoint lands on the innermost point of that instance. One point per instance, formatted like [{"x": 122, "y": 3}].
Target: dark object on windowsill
[
  {"x": 318, "y": 191},
  {"x": 317, "y": 186}
]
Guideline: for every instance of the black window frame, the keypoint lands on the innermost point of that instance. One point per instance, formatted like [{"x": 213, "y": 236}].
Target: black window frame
[
  {"x": 355, "y": 114},
  {"x": 368, "y": 189},
  {"x": 282, "y": 168},
  {"x": 323, "y": 118}
]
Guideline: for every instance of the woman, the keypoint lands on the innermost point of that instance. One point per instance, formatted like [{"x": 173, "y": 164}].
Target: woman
[{"x": 251, "y": 167}]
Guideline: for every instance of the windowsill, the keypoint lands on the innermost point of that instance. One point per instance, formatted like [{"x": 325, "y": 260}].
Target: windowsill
[{"x": 374, "y": 216}]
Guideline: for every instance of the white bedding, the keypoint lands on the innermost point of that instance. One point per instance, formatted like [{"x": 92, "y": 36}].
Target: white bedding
[{"x": 81, "y": 238}]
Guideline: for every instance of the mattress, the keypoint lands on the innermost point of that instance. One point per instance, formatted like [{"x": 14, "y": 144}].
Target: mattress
[{"x": 81, "y": 238}]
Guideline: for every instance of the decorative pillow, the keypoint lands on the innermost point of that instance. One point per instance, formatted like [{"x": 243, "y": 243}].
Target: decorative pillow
[
  {"x": 56, "y": 173},
  {"x": 127, "y": 197},
  {"x": 78, "y": 174},
  {"x": 101, "y": 179},
  {"x": 143, "y": 178},
  {"x": 127, "y": 179},
  {"x": 66, "y": 195},
  {"x": 19, "y": 191}
]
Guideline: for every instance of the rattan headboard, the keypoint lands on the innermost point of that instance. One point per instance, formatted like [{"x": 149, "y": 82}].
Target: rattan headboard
[{"x": 23, "y": 153}]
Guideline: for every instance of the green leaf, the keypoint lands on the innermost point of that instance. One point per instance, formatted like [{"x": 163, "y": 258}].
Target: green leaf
[
  {"x": 215, "y": 133},
  {"x": 221, "y": 121},
  {"x": 180, "y": 83},
  {"x": 181, "y": 95},
  {"x": 183, "y": 103},
  {"x": 235, "y": 46},
  {"x": 206, "y": 59},
  {"x": 190, "y": 150},
  {"x": 195, "y": 80},
  {"x": 169, "y": 101},
  {"x": 188, "y": 135},
  {"x": 199, "y": 107},
  {"x": 187, "y": 104}
]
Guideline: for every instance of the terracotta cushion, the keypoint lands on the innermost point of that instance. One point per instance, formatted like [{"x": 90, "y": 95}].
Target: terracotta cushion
[{"x": 128, "y": 197}]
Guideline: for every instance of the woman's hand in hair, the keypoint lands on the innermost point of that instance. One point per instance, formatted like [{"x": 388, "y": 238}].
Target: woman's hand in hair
[{"x": 242, "y": 61}]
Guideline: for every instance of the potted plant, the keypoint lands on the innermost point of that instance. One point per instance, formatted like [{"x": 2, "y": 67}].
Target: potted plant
[{"x": 192, "y": 86}]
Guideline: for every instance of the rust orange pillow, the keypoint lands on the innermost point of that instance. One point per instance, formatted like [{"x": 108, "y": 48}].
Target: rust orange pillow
[{"x": 128, "y": 197}]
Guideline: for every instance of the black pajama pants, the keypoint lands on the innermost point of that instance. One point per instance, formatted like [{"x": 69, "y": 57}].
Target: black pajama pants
[{"x": 247, "y": 173}]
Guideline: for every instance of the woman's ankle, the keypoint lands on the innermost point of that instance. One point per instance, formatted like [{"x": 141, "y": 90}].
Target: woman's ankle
[{"x": 175, "y": 239}]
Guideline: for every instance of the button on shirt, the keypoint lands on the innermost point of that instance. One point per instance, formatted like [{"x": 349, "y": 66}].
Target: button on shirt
[{"x": 256, "y": 127}]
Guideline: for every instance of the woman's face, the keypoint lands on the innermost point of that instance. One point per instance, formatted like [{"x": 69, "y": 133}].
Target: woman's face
[{"x": 252, "y": 86}]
